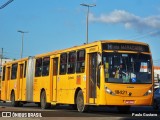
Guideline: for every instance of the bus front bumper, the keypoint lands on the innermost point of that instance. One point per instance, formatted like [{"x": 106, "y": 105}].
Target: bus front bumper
[{"x": 131, "y": 101}]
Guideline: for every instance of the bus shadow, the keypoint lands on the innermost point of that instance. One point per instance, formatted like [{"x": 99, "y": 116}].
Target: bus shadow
[{"x": 138, "y": 112}]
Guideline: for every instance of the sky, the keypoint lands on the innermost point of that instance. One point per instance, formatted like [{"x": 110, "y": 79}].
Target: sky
[{"x": 59, "y": 24}]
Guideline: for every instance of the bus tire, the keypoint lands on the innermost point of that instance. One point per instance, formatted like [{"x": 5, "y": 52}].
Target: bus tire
[
  {"x": 81, "y": 107},
  {"x": 44, "y": 104},
  {"x": 13, "y": 102}
]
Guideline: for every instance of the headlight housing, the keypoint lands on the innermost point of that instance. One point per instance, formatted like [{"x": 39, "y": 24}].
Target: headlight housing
[
  {"x": 148, "y": 92},
  {"x": 109, "y": 91}
]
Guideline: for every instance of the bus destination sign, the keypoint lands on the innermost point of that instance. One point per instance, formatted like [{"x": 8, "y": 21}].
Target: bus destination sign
[{"x": 125, "y": 47}]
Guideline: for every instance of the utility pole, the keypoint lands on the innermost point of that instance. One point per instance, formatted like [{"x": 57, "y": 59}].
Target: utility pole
[
  {"x": 1, "y": 61},
  {"x": 88, "y": 6},
  {"x": 22, "y": 32},
  {"x": 1, "y": 55}
]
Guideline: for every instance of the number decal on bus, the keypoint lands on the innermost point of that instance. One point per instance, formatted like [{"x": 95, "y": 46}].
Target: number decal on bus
[{"x": 120, "y": 91}]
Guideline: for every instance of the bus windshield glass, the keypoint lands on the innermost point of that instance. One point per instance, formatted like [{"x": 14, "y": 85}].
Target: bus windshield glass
[{"x": 127, "y": 68}]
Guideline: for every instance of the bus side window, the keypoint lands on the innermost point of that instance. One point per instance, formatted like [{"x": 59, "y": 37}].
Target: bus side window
[
  {"x": 71, "y": 62},
  {"x": 38, "y": 67},
  {"x": 63, "y": 63},
  {"x": 4, "y": 71},
  {"x": 45, "y": 69},
  {"x": 80, "y": 66},
  {"x": 14, "y": 71}
]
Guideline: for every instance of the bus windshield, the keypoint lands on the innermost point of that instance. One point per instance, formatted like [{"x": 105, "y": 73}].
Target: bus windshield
[{"x": 127, "y": 68}]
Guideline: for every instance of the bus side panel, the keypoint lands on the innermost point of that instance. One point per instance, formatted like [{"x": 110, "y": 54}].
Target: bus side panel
[
  {"x": 3, "y": 90},
  {"x": 29, "y": 79},
  {"x": 24, "y": 90},
  {"x": 3, "y": 85}
]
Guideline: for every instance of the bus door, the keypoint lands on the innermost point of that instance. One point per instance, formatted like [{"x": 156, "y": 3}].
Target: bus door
[
  {"x": 3, "y": 84},
  {"x": 55, "y": 73},
  {"x": 8, "y": 83},
  {"x": 92, "y": 77},
  {"x": 20, "y": 82}
]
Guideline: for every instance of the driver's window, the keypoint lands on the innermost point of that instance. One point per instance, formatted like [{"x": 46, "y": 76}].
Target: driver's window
[{"x": 112, "y": 66}]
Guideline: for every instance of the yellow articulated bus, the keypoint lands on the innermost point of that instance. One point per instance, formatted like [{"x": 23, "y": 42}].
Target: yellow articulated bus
[{"x": 107, "y": 73}]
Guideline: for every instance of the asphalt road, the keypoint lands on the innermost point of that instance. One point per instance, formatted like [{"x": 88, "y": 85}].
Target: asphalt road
[{"x": 32, "y": 111}]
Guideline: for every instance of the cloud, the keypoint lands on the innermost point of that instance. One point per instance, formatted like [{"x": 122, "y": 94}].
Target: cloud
[{"x": 129, "y": 20}]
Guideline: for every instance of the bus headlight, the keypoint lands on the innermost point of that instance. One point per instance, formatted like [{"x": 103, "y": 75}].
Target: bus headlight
[
  {"x": 109, "y": 91},
  {"x": 148, "y": 92}
]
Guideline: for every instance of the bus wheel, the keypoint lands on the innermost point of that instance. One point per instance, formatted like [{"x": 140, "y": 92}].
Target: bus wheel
[
  {"x": 123, "y": 109},
  {"x": 13, "y": 102},
  {"x": 80, "y": 102},
  {"x": 44, "y": 104}
]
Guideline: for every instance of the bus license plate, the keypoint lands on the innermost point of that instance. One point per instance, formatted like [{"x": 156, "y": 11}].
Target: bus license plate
[{"x": 129, "y": 101}]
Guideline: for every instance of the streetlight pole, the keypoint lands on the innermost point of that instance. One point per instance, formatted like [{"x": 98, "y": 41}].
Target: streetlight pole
[
  {"x": 1, "y": 60},
  {"x": 22, "y": 41},
  {"x": 87, "y": 5}
]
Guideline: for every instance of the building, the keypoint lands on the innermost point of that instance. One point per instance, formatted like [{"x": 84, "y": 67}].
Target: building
[
  {"x": 2, "y": 61},
  {"x": 156, "y": 73}
]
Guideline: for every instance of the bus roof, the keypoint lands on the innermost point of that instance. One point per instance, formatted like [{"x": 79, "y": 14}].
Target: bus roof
[
  {"x": 123, "y": 41},
  {"x": 15, "y": 61},
  {"x": 80, "y": 47},
  {"x": 91, "y": 44}
]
